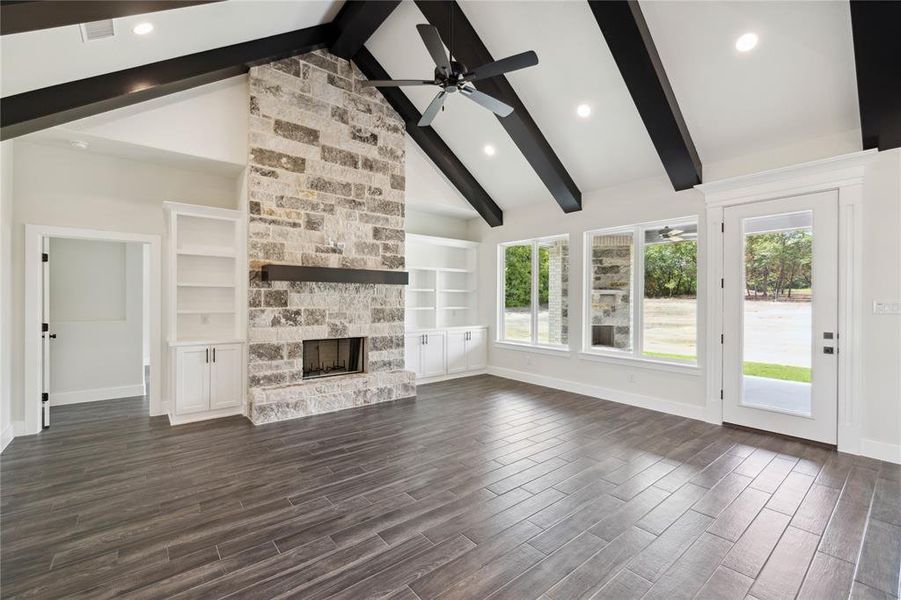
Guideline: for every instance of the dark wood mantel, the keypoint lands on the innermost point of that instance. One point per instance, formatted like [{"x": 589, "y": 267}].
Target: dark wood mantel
[{"x": 332, "y": 275}]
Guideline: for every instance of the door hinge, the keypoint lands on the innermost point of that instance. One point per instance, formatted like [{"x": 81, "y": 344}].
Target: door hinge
[
  {"x": 45, "y": 397},
  {"x": 45, "y": 257},
  {"x": 721, "y": 394},
  {"x": 722, "y": 339}
]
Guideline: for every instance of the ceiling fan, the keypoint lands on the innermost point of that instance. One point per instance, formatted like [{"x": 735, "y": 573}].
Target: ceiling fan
[
  {"x": 452, "y": 76},
  {"x": 675, "y": 235}
]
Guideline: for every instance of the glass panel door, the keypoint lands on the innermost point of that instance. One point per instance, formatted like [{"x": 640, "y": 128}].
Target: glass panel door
[{"x": 780, "y": 314}]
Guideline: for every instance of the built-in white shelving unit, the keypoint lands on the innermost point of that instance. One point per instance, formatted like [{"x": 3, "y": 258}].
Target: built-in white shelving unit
[
  {"x": 442, "y": 289},
  {"x": 206, "y": 271}
]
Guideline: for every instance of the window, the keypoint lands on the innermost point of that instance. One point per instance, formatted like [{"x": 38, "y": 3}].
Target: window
[
  {"x": 533, "y": 291},
  {"x": 655, "y": 264}
]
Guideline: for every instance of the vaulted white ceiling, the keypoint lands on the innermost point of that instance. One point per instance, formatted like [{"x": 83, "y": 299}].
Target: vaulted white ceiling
[{"x": 796, "y": 88}]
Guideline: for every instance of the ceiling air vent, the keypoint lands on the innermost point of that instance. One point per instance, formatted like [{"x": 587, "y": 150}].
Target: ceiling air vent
[{"x": 97, "y": 30}]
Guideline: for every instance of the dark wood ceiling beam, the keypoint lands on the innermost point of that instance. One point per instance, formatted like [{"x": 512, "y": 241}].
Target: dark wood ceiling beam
[
  {"x": 32, "y": 15},
  {"x": 471, "y": 51},
  {"x": 356, "y": 22},
  {"x": 47, "y": 107},
  {"x": 633, "y": 49},
  {"x": 431, "y": 143},
  {"x": 877, "y": 57}
]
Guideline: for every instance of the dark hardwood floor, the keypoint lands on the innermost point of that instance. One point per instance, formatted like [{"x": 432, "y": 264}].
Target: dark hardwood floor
[{"x": 481, "y": 488}]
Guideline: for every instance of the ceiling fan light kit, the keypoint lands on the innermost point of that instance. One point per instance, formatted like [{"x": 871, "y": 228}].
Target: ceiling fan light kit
[{"x": 452, "y": 76}]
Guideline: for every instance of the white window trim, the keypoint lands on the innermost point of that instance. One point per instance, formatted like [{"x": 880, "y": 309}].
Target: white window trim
[
  {"x": 501, "y": 341},
  {"x": 635, "y": 356}
]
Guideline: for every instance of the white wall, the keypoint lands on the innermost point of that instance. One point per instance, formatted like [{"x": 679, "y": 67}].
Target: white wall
[
  {"x": 880, "y": 396},
  {"x": 96, "y": 313},
  {"x": 424, "y": 223},
  {"x": 6, "y": 267},
  {"x": 881, "y": 335},
  {"x": 648, "y": 200},
  {"x": 69, "y": 188}
]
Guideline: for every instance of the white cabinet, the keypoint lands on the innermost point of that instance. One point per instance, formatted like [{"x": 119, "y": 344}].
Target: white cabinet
[
  {"x": 208, "y": 378},
  {"x": 192, "y": 379},
  {"x": 425, "y": 353},
  {"x": 226, "y": 371},
  {"x": 467, "y": 350},
  {"x": 446, "y": 352}
]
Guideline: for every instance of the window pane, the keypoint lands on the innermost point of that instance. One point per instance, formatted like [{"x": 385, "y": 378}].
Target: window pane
[
  {"x": 611, "y": 290},
  {"x": 671, "y": 292},
  {"x": 518, "y": 293},
  {"x": 553, "y": 284}
]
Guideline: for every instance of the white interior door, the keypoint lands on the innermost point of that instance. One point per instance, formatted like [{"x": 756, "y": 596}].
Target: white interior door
[
  {"x": 780, "y": 302},
  {"x": 46, "y": 334}
]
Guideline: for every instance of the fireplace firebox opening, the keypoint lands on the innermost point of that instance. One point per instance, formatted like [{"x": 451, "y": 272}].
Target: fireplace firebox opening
[{"x": 332, "y": 357}]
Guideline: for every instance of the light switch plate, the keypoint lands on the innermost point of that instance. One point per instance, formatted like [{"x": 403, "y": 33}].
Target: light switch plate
[{"x": 887, "y": 308}]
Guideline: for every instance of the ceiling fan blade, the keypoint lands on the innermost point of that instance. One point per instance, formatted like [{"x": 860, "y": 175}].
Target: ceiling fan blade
[
  {"x": 396, "y": 82},
  {"x": 432, "y": 40},
  {"x": 432, "y": 111},
  {"x": 504, "y": 65},
  {"x": 489, "y": 102}
]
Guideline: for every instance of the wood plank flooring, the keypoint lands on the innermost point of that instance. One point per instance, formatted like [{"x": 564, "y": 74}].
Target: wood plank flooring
[{"x": 480, "y": 488}]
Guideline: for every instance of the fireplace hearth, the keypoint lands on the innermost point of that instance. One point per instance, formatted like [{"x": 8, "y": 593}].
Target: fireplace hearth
[{"x": 332, "y": 357}]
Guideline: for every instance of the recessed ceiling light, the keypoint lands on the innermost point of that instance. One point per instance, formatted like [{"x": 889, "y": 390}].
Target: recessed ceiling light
[
  {"x": 746, "y": 42},
  {"x": 583, "y": 110},
  {"x": 489, "y": 150},
  {"x": 142, "y": 28},
  {"x": 80, "y": 145}
]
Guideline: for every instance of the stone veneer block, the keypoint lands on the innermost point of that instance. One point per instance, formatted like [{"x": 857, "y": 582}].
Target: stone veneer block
[{"x": 325, "y": 188}]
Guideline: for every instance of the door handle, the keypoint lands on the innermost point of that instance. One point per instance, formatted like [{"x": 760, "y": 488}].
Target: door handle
[
  {"x": 52, "y": 336},
  {"x": 214, "y": 355},
  {"x": 426, "y": 336},
  {"x": 828, "y": 350},
  {"x": 208, "y": 355}
]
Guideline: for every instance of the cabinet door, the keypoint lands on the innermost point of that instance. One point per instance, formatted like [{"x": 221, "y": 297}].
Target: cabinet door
[
  {"x": 433, "y": 363},
  {"x": 192, "y": 379},
  {"x": 477, "y": 349},
  {"x": 413, "y": 353},
  {"x": 456, "y": 351},
  {"x": 225, "y": 376}
]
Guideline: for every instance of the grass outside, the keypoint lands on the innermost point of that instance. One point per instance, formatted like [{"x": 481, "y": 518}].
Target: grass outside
[{"x": 773, "y": 371}]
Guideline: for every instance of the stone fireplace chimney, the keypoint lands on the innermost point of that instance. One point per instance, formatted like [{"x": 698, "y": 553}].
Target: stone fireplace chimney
[{"x": 325, "y": 189}]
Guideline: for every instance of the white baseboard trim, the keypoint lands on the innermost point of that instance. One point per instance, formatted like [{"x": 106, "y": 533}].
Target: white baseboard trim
[
  {"x": 6, "y": 436},
  {"x": 110, "y": 393},
  {"x": 658, "y": 404},
  {"x": 426, "y": 380},
  {"x": 881, "y": 451},
  {"x": 205, "y": 416}
]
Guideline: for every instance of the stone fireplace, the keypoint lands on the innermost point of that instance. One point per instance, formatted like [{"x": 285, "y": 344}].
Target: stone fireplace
[{"x": 325, "y": 189}]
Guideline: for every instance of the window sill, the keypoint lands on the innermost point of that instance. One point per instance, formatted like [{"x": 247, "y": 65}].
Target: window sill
[
  {"x": 643, "y": 363},
  {"x": 522, "y": 347}
]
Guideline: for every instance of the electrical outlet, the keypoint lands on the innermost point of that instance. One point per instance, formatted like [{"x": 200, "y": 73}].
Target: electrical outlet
[{"x": 887, "y": 308}]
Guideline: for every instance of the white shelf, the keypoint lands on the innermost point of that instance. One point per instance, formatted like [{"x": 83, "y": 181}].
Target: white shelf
[
  {"x": 204, "y": 284},
  {"x": 420, "y": 289},
  {"x": 454, "y": 307},
  {"x": 447, "y": 269},
  {"x": 456, "y": 291},
  {"x": 420, "y": 308},
  {"x": 206, "y": 312},
  {"x": 216, "y": 251}
]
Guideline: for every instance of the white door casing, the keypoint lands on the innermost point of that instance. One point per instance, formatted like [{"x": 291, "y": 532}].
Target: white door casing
[
  {"x": 45, "y": 335},
  {"x": 820, "y": 422}
]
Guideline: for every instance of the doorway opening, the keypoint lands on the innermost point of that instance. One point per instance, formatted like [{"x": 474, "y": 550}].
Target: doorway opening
[{"x": 92, "y": 301}]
